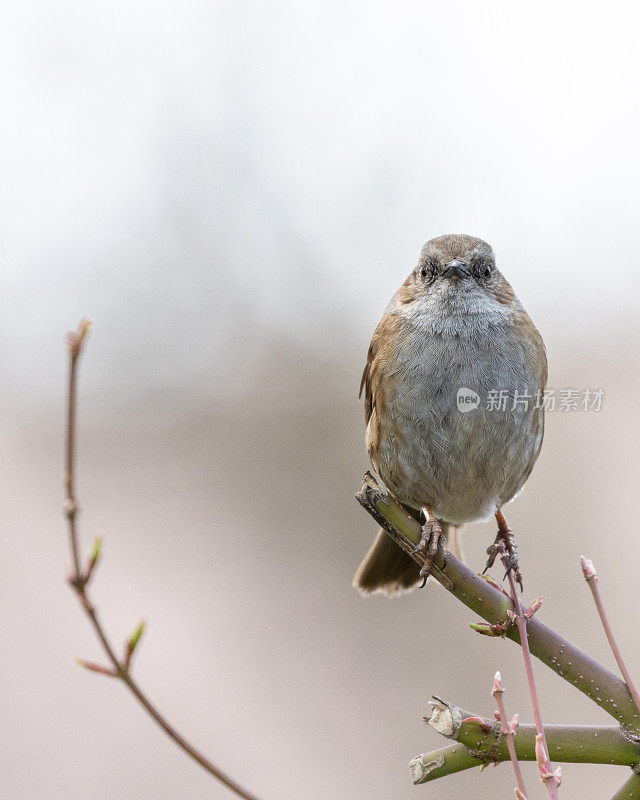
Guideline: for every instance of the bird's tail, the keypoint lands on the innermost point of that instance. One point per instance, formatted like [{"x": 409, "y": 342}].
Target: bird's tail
[
  {"x": 454, "y": 539},
  {"x": 388, "y": 569}
]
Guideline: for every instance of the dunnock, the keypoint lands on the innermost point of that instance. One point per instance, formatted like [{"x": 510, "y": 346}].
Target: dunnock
[{"x": 452, "y": 384}]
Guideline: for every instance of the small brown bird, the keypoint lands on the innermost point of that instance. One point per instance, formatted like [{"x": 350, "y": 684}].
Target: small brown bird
[{"x": 453, "y": 384}]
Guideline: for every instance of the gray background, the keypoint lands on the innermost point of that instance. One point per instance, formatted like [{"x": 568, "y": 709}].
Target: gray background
[{"x": 233, "y": 190}]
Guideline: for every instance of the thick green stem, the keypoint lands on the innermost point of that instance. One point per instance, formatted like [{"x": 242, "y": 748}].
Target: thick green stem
[
  {"x": 630, "y": 790},
  {"x": 591, "y": 678},
  {"x": 483, "y": 742},
  {"x": 437, "y": 764}
]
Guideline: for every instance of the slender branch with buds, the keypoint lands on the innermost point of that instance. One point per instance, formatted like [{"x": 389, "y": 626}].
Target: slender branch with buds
[
  {"x": 508, "y": 729},
  {"x": 478, "y": 740},
  {"x": 590, "y": 576},
  {"x": 550, "y": 777},
  {"x": 120, "y": 666},
  {"x": 487, "y": 598}
]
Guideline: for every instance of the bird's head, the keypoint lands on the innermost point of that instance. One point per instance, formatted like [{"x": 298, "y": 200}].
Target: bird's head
[{"x": 456, "y": 267}]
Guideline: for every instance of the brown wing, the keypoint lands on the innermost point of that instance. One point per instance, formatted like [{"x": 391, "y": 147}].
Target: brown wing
[
  {"x": 376, "y": 377},
  {"x": 365, "y": 383}
]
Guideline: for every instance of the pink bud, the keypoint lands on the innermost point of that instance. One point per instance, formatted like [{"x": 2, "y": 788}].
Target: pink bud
[
  {"x": 495, "y": 585},
  {"x": 481, "y": 627},
  {"x": 542, "y": 756},
  {"x": 487, "y": 630},
  {"x": 90, "y": 665},
  {"x": 533, "y": 608},
  {"x": 588, "y": 570},
  {"x": 555, "y": 776}
]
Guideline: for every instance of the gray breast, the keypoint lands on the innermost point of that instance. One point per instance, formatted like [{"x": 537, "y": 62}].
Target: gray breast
[{"x": 461, "y": 459}]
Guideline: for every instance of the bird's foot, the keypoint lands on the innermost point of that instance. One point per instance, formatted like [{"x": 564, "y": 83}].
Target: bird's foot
[
  {"x": 428, "y": 545},
  {"x": 505, "y": 544}
]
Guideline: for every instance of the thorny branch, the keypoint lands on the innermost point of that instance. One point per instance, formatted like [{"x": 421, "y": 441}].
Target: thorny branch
[
  {"x": 550, "y": 778},
  {"x": 120, "y": 666},
  {"x": 480, "y": 741},
  {"x": 494, "y": 605},
  {"x": 489, "y": 602}
]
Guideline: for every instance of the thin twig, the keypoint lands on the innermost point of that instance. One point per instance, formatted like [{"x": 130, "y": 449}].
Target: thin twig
[
  {"x": 439, "y": 763},
  {"x": 591, "y": 578},
  {"x": 120, "y": 667},
  {"x": 508, "y": 729},
  {"x": 550, "y": 778}
]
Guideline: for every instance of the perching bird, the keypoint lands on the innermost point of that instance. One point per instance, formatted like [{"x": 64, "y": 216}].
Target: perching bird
[{"x": 453, "y": 384}]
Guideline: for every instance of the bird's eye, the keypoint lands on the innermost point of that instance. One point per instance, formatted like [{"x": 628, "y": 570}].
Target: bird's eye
[
  {"x": 487, "y": 272},
  {"x": 424, "y": 272}
]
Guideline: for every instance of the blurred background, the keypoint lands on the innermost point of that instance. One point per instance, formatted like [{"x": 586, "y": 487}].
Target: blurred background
[{"x": 233, "y": 191}]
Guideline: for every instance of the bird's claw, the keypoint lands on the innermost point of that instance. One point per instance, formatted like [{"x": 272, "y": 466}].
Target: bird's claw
[
  {"x": 428, "y": 545},
  {"x": 512, "y": 566},
  {"x": 505, "y": 544},
  {"x": 492, "y": 552}
]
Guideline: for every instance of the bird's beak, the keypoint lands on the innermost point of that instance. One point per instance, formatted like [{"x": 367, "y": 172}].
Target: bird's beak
[{"x": 456, "y": 269}]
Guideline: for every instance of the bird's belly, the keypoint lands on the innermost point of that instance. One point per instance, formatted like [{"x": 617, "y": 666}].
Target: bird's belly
[{"x": 460, "y": 460}]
